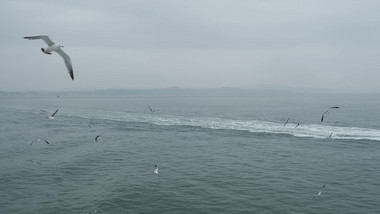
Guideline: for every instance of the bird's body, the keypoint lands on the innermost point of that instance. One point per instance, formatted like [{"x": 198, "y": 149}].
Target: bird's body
[
  {"x": 51, "y": 48},
  {"x": 57, "y": 48},
  {"x": 96, "y": 138},
  {"x": 156, "y": 169}
]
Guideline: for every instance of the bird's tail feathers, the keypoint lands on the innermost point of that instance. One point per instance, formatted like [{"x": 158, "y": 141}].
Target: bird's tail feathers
[{"x": 44, "y": 51}]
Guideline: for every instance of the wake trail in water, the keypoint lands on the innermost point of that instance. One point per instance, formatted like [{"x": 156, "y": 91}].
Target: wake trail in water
[{"x": 254, "y": 126}]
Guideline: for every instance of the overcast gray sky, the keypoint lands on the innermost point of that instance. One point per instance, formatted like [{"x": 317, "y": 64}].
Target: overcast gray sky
[{"x": 193, "y": 44}]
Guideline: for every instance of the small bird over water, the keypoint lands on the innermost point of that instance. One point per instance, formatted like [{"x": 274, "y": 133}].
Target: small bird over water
[
  {"x": 286, "y": 121},
  {"x": 50, "y": 116},
  {"x": 156, "y": 169},
  {"x": 96, "y": 138},
  {"x": 320, "y": 192},
  {"x": 330, "y": 135},
  {"x": 326, "y": 112},
  {"x": 39, "y": 140},
  {"x": 57, "y": 48},
  {"x": 152, "y": 110},
  {"x": 297, "y": 124}
]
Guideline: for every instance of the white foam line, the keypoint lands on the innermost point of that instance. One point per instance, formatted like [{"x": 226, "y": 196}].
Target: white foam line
[{"x": 304, "y": 130}]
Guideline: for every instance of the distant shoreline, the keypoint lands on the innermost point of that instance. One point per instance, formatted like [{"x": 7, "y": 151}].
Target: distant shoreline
[{"x": 181, "y": 91}]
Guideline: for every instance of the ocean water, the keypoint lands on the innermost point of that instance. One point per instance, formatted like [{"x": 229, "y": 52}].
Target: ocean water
[{"x": 216, "y": 153}]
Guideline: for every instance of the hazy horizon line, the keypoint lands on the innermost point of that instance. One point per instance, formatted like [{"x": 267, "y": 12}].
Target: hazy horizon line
[{"x": 252, "y": 89}]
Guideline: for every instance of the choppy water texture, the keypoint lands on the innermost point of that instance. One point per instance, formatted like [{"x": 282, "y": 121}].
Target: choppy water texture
[{"x": 216, "y": 154}]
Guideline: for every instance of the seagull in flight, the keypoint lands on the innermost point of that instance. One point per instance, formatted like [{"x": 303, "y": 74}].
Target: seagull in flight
[
  {"x": 50, "y": 116},
  {"x": 330, "y": 135},
  {"x": 286, "y": 121},
  {"x": 326, "y": 112},
  {"x": 152, "y": 110},
  {"x": 320, "y": 192},
  {"x": 39, "y": 140},
  {"x": 96, "y": 138},
  {"x": 156, "y": 169},
  {"x": 297, "y": 124},
  {"x": 57, "y": 48}
]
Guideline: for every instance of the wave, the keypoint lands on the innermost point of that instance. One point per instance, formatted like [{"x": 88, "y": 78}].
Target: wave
[{"x": 319, "y": 131}]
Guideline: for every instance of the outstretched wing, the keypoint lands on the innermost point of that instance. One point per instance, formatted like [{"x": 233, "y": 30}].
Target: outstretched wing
[
  {"x": 67, "y": 62},
  {"x": 45, "y": 111},
  {"x": 286, "y": 121},
  {"x": 54, "y": 113},
  {"x": 46, "y": 39}
]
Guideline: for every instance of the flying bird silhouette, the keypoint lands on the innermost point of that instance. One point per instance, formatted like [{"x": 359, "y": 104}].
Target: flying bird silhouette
[
  {"x": 152, "y": 110},
  {"x": 39, "y": 140},
  {"x": 297, "y": 124},
  {"x": 320, "y": 192},
  {"x": 50, "y": 116},
  {"x": 326, "y": 112},
  {"x": 330, "y": 135},
  {"x": 57, "y": 48},
  {"x": 286, "y": 121}
]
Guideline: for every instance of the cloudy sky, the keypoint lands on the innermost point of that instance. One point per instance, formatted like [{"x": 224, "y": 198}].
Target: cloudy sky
[{"x": 192, "y": 44}]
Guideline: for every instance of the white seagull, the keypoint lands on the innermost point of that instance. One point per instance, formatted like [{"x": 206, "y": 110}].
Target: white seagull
[
  {"x": 286, "y": 121},
  {"x": 57, "y": 48},
  {"x": 297, "y": 124},
  {"x": 156, "y": 169},
  {"x": 151, "y": 110},
  {"x": 326, "y": 112},
  {"x": 50, "y": 116},
  {"x": 39, "y": 140},
  {"x": 320, "y": 192}
]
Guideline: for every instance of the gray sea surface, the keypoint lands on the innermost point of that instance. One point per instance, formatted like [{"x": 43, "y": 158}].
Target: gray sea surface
[{"x": 216, "y": 153}]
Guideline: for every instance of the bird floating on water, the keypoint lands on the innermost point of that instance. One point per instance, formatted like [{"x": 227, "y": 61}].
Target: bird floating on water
[
  {"x": 320, "y": 192},
  {"x": 50, "y": 116},
  {"x": 39, "y": 140},
  {"x": 57, "y": 48},
  {"x": 96, "y": 138},
  {"x": 156, "y": 169},
  {"x": 326, "y": 112}
]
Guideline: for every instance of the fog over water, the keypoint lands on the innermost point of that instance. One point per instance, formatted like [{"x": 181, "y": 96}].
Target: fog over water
[{"x": 329, "y": 45}]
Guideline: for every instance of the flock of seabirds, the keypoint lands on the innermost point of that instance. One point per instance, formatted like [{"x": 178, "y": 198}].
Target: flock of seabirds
[{"x": 52, "y": 46}]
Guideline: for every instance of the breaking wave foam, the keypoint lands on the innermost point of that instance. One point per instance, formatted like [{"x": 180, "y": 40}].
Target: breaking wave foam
[{"x": 255, "y": 126}]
